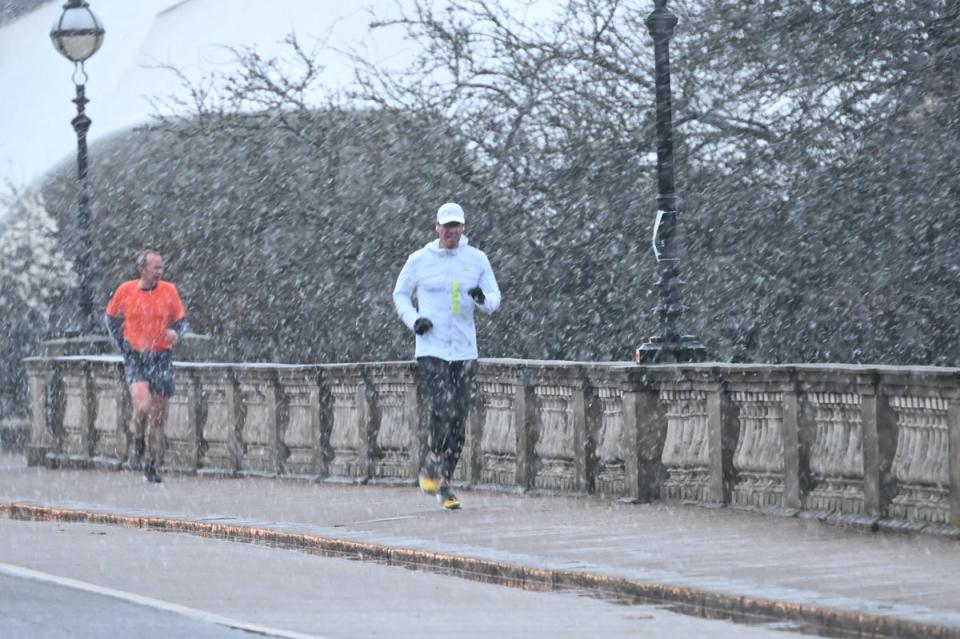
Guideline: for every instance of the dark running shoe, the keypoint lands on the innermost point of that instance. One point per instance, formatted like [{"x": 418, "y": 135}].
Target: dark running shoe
[
  {"x": 136, "y": 459},
  {"x": 150, "y": 474},
  {"x": 135, "y": 462},
  {"x": 447, "y": 499},
  {"x": 430, "y": 475}
]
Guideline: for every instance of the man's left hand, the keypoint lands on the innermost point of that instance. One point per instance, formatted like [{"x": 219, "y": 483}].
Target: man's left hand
[
  {"x": 172, "y": 336},
  {"x": 477, "y": 294}
]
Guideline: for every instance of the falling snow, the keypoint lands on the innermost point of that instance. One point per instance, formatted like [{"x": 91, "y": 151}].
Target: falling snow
[{"x": 817, "y": 155}]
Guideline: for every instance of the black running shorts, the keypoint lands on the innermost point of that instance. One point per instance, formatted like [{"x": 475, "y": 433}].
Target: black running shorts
[{"x": 154, "y": 368}]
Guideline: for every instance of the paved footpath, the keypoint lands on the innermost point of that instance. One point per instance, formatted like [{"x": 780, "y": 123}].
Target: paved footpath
[{"x": 738, "y": 563}]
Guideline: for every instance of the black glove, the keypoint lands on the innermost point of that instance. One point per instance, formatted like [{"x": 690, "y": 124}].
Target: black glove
[
  {"x": 422, "y": 325},
  {"x": 477, "y": 294}
]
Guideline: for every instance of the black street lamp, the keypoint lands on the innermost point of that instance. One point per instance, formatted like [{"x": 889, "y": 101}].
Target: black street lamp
[
  {"x": 669, "y": 345},
  {"x": 77, "y": 34}
]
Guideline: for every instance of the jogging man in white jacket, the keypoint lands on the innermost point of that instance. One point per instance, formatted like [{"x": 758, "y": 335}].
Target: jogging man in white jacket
[{"x": 450, "y": 279}]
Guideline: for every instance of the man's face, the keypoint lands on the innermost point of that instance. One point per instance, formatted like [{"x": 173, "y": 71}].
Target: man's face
[
  {"x": 449, "y": 234},
  {"x": 152, "y": 270}
]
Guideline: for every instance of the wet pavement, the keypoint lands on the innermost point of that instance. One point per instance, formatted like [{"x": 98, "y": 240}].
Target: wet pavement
[
  {"x": 36, "y": 609},
  {"x": 710, "y": 560},
  {"x": 209, "y": 583}
]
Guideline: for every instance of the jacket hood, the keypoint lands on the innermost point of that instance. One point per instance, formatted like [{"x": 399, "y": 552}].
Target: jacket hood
[{"x": 434, "y": 246}]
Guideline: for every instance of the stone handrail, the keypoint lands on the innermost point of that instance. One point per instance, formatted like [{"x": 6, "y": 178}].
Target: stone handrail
[{"x": 878, "y": 446}]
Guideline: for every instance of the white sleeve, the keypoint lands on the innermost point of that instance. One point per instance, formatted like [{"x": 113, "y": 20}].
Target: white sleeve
[
  {"x": 402, "y": 292},
  {"x": 490, "y": 288}
]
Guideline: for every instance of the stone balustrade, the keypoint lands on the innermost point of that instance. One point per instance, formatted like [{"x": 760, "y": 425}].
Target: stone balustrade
[{"x": 873, "y": 445}]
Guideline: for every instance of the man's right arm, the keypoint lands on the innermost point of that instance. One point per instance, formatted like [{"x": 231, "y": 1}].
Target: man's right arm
[
  {"x": 113, "y": 318},
  {"x": 115, "y": 329}
]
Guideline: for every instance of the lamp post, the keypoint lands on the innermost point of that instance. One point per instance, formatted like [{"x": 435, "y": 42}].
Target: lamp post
[
  {"x": 670, "y": 344},
  {"x": 77, "y": 34}
]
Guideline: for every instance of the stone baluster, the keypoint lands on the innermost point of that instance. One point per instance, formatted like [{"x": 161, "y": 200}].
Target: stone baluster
[
  {"x": 836, "y": 459},
  {"x": 301, "y": 423},
  {"x": 76, "y": 414},
  {"x": 701, "y": 435},
  {"x": 561, "y": 443},
  {"x": 688, "y": 446},
  {"x": 41, "y": 387},
  {"x": 920, "y": 406},
  {"x": 259, "y": 423},
  {"x": 606, "y": 436},
  {"x": 112, "y": 413},
  {"x": 832, "y": 405},
  {"x": 352, "y": 423},
  {"x": 396, "y": 429},
  {"x": 758, "y": 401},
  {"x": 182, "y": 428},
  {"x": 758, "y": 458},
  {"x": 220, "y": 444},
  {"x": 504, "y": 401},
  {"x": 920, "y": 464}
]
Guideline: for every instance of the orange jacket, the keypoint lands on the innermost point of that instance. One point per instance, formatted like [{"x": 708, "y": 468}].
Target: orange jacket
[{"x": 147, "y": 314}]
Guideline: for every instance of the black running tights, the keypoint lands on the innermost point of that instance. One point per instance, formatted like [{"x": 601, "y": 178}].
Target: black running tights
[{"x": 452, "y": 387}]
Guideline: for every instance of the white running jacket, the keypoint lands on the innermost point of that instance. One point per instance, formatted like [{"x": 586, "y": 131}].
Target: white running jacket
[{"x": 440, "y": 278}]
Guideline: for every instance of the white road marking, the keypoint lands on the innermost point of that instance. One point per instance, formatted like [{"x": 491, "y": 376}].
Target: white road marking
[{"x": 28, "y": 573}]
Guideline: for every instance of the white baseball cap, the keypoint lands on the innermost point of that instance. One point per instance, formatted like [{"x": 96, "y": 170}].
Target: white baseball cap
[{"x": 450, "y": 212}]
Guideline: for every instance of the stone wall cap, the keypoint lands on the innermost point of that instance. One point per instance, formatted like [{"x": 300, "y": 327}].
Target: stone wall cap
[
  {"x": 73, "y": 358},
  {"x": 242, "y": 365},
  {"x": 699, "y": 367}
]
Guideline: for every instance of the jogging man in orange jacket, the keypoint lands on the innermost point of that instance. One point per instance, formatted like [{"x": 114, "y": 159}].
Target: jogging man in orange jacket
[{"x": 145, "y": 318}]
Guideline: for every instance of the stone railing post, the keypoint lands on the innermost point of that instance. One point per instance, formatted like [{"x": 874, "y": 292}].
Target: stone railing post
[
  {"x": 879, "y": 440},
  {"x": 953, "y": 456},
  {"x": 471, "y": 460},
  {"x": 41, "y": 385},
  {"x": 644, "y": 424},
  {"x": 796, "y": 448},
  {"x": 722, "y": 426}
]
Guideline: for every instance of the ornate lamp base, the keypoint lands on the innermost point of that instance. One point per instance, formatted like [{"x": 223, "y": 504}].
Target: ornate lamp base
[{"x": 681, "y": 349}]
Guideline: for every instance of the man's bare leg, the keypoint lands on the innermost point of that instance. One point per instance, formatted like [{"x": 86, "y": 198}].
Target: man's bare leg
[
  {"x": 156, "y": 415},
  {"x": 140, "y": 398}
]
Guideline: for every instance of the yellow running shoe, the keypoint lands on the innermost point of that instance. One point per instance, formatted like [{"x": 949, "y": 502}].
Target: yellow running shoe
[
  {"x": 447, "y": 499},
  {"x": 430, "y": 475}
]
